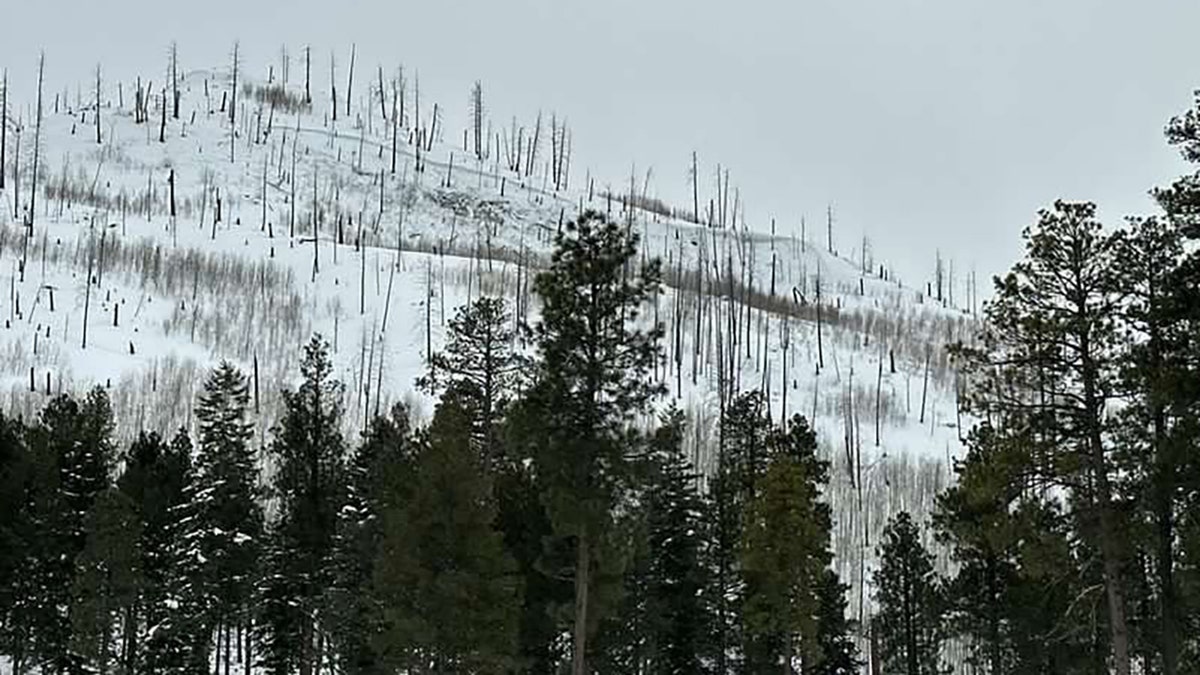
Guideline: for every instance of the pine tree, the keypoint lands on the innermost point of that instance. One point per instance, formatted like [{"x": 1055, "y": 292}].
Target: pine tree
[
  {"x": 1050, "y": 352},
  {"x": 1164, "y": 367},
  {"x": 785, "y": 553},
  {"x": 381, "y": 476},
  {"x": 911, "y": 617},
  {"x": 448, "y": 590},
  {"x": 594, "y": 376},
  {"x": 73, "y": 446},
  {"x": 480, "y": 365},
  {"x": 1009, "y": 596},
  {"x": 742, "y": 460},
  {"x": 310, "y": 488},
  {"x": 108, "y": 579},
  {"x": 834, "y": 652}
]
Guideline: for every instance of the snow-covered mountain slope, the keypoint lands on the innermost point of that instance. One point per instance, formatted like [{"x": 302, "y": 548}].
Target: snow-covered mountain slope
[{"x": 202, "y": 245}]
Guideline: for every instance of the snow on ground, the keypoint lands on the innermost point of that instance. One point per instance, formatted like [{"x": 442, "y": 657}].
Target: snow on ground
[{"x": 174, "y": 295}]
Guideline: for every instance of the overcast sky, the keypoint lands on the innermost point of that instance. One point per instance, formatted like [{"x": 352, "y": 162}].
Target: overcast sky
[{"x": 926, "y": 123}]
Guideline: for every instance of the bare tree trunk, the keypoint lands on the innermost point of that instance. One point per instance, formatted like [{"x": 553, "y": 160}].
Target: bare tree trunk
[
  {"x": 829, "y": 226},
  {"x": 37, "y": 153},
  {"x": 820, "y": 348},
  {"x": 878, "y": 391},
  {"x": 292, "y": 178},
  {"x": 87, "y": 299},
  {"x": 924, "y": 388},
  {"x": 350, "y": 79},
  {"x": 395, "y": 128},
  {"x": 333, "y": 85},
  {"x": 583, "y": 563},
  {"x": 3, "y": 126},
  {"x": 175, "y": 80},
  {"x": 98, "y": 141},
  {"x": 233, "y": 104}
]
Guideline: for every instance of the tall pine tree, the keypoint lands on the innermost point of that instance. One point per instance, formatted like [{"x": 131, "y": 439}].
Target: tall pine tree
[
  {"x": 594, "y": 376},
  {"x": 911, "y": 617},
  {"x": 309, "y": 486}
]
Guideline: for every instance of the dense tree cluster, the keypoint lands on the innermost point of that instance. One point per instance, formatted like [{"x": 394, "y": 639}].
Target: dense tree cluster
[
  {"x": 536, "y": 524},
  {"x": 1074, "y": 524}
]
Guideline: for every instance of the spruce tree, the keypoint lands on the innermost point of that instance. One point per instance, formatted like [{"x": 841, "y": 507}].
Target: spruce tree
[
  {"x": 108, "y": 580},
  {"x": 678, "y": 585},
  {"x": 594, "y": 376},
  {"x": 911, "y": 617},
  {"x": 663, "y": 622},
  {"x": 524, "y": 520},
  {"x": 229, "y": 517},
  {"x": 309, "y": 486},
  {"x": 156, "y": 480},
  {"x": 448, "y": 590}
]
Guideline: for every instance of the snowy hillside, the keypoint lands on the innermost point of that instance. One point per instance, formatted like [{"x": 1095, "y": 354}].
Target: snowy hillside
[{"x": 206, "y": 241}]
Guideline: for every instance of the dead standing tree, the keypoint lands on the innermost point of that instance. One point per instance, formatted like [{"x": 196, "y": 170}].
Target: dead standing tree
[
  {"x": 37, "y": 152},
  {"x": 233, "y": 104},
  {"x": 3, "y": 125},
  {"x": 175, "y": 80},
  {"x": 350, "y": 79},
  {"x": 98, "y": 141},
  {"x": 333, "y": 84},
  {"x": 477, "y": 117}
]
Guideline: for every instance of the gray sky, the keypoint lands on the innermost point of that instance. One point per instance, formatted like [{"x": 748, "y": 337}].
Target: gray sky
[{"x": 927, "y": 123}]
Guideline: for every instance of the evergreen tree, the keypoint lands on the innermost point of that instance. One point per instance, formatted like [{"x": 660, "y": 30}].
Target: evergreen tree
[
  {"x": 309, "y": 486},
  {"x": 381, "y": 476},
  {"x": 911, "y": 617},
  {"x": 785, "y": 554},
  {"x": 742, "y": 460},
  {"x": 108, "y": 579},
  {"x": 678, "y": 585},
  {"x": 523, "y": 519},
  {"x": 1010, "y": 596},
  {"x": 17, "y": 539},
  {"x": 1050, "y": 353},
  {"x": 449, "y": 591},
  {"x": 229, "y": 517},
  {"x": 834, "y": 652},
  {"x": 72, "y": 444},
  {"x": 594, "y": 376},
  {"x": 664, "y": 621},
  {"x": 157, "y": 480},
  {"x": 1169, "y": 408},
  {"x": 479, "y": 364}
]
